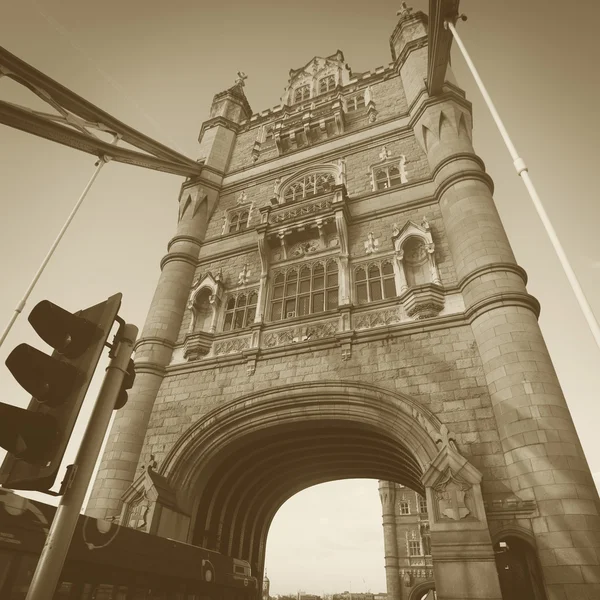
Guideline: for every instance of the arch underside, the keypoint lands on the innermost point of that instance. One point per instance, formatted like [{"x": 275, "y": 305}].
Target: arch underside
[{"x": 244, "y": 460}]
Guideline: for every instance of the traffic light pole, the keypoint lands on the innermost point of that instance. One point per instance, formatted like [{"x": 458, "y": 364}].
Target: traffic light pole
[{"x": 55, "y": 550}]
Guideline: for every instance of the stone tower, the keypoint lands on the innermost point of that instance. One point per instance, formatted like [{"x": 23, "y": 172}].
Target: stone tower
[{"x": 340, "y": 300}]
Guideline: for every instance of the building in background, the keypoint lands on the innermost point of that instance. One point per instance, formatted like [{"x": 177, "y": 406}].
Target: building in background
[{"x": 340, "y": 300}]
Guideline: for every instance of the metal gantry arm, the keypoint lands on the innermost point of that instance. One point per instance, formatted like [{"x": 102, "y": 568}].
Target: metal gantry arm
[
  {"x": 77, "y": 119},
  {"x": 76, "y": 124}
]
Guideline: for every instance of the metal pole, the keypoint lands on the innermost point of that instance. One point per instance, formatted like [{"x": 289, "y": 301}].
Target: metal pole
[
  {"x": 57, "y": 544},
  {"x": 523, "y": 172},
  {"x": 21, "y": 305}
]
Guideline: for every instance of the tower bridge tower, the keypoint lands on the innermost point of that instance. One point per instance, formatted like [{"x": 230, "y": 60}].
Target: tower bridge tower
[{"x": 340, "y": 300}]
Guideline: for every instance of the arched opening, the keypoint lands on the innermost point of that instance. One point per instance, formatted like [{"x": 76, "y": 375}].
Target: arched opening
[
  {"x": 519, "y": 569},
  {"x": 235, "y": 467}
]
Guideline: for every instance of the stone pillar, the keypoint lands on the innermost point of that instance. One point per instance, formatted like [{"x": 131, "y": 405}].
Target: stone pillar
[
  {"x": 387, "y": 494},
  {"x": 154, "y": 349},
  {"x": 464, "y": 564},
  {"x": 543, "y": 456},
  {"x": 152, "y": 354}
]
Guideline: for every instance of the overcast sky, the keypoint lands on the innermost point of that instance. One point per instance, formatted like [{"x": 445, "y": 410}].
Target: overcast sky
[{"x": 156, "y": 66}]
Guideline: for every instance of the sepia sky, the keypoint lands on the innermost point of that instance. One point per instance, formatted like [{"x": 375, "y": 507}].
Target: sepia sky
[{"x": 156, "y": 66}]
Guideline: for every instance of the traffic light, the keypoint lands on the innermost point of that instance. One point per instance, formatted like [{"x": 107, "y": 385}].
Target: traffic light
[{"x": 36, "y": 437}]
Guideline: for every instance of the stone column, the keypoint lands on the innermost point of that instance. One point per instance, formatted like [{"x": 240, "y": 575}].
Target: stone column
[
  {"x": 543, "y": 456},
  {"x": 464, "y": 564},
  {"x": 387, "y": 494},
  {"x": 152, "y": 354}
]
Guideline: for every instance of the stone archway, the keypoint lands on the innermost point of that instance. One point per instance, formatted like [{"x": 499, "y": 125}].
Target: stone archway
[
  {"x": 236, "y": 467},
  {"x": 519, "y": 569}
]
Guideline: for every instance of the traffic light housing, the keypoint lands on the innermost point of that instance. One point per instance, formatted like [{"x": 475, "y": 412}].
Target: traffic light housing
[{"x": 36, "y": 437}]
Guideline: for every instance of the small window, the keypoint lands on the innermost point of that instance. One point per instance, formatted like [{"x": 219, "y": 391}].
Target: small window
[
  {"x": 374, "y": 283},
  {"x": 326, "y": 84},
  {"x": 414, "y": 548},
  {"x": 238, "y": 221},
  {"x": 387, "y": 176},
  {"x": 240, "y": 311},
  {"x": 422, "y": 505},
  {"x": 302, "y": 93},
  {"x": 355, "y": 103},
  {"x": 404, "y": 508}
]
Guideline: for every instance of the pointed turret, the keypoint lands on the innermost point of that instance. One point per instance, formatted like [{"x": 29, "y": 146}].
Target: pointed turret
[{"x": 228, "y": 110}]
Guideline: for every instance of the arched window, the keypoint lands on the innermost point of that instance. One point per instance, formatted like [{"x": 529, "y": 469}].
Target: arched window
[
  {"x": 238, "y": 221},
  {"x": 305, "y": 290},
  {"x": 326, "y": 84},
  {"x": 388, "y": 175},
  {"x": 240, "y": 311},
  {"x": 309, "y": 186},
  {"x": 302, "y": 93},
  {"x": 374, "y": 282}
]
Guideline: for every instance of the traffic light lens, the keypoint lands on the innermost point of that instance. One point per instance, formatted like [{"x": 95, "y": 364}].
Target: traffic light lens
[
  {"x": 46, "y": 378},
  {"x": 28, "y": 435},
  {"x": 67, "y": 333}
]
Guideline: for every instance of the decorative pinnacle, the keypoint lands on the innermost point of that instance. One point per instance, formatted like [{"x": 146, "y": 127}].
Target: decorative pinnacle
[
  {"x": 241, "y": 79},
  {"x": 404, "y": 11}
]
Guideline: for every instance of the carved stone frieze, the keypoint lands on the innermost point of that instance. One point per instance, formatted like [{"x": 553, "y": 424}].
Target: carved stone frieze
[
  {"x": 379, "y": 318},
  {"x": 300, "y": 211},
  {"x": 301, "y": 333},
  {"x": 232, "y": 346}
]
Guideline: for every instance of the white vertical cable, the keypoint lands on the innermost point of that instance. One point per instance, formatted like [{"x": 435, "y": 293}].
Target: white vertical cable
[{"x": 523, "y": 172}]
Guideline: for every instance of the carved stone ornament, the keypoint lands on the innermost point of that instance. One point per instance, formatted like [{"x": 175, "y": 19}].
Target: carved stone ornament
[
  {"x": 453, "y": 485},
  {"x": 372, "y": 244},
  {"x": 450, "y": 495},
  {"x": 212, "y": 282},
  {"x": 244, "y": 276},
  {"x": 242, "y": 198},
  {"x": 385, "y": 154}
]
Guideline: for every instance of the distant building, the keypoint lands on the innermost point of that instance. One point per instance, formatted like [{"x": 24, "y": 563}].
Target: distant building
[
  {"x": 265, "y": 587},
  {"x": 407, "y": 537}
]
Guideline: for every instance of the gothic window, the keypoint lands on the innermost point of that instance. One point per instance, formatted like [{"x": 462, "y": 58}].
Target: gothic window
[
  {"x": 387, "y": 176},
  {"x": 238, "y": 221},
  {"x": 414, "y": 547},
  {"x": 374, "y": 282},
  {"x": 422, "y": 505},
  {"x": 404, "y": 508},
  {"x": 309, "y": 186},
  {"x": 240, "y": 311},
  {"x": 302, "y": 93},
  {"x": 326, "y": 84},
  {"x": 355, "y": 103},
  {"x": 305, "y": 290},
  {"x": 416, "y": 263}
]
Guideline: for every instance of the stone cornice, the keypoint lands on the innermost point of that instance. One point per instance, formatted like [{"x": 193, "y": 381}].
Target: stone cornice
[
  {"x": 500, "y": 300},
  {"x": 458, "y": 156},
  {"x": 462, "y": 176},
  {"x": 183, "y": 238},
  {"x": 215, "y": 122},
  {"x": 492, "y": 268},
  {"x": 178, "y": 257},
  {"x": 154, "y": 340},
  {"x": 408, "y": 48},
  {"x": 419, "y": 106}
]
